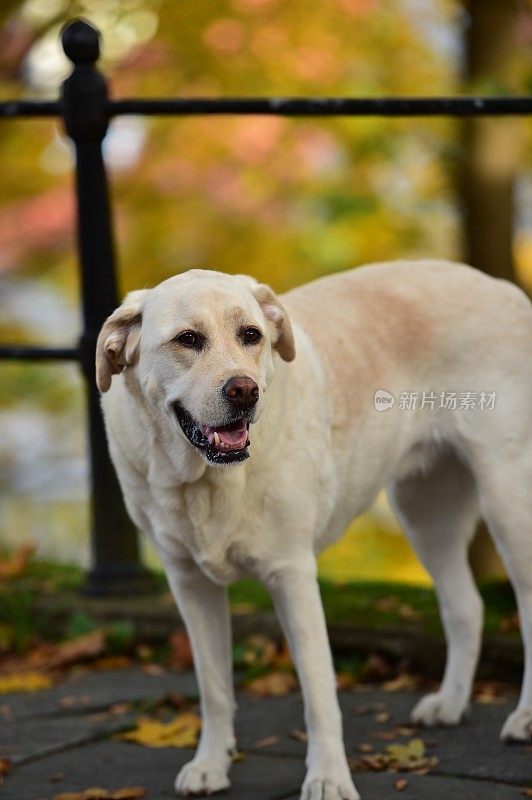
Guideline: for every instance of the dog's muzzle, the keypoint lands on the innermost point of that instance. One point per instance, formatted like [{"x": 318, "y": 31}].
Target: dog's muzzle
[{"x": 221, "y": 444}]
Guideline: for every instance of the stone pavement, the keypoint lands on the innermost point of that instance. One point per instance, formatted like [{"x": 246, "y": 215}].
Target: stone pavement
[{"x": 60, "y": 740}]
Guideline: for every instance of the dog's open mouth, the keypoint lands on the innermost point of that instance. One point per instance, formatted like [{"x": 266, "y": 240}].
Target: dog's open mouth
[{"x": 223, "y": 444}]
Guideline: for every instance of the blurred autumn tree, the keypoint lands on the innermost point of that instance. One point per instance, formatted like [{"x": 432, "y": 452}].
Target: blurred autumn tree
[{"x": 284, "y": 200}]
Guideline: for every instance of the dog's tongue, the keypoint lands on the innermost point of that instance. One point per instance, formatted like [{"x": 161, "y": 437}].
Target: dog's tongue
[{"x": 232, "y": 436}]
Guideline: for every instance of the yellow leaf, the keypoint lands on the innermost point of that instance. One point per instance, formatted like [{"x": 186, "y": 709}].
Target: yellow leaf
[
  {"x": 275, "y": 684},
  {"x": 24, "y": 682},
  {"x": 96, "y": 793},
  {"x": 414, "y": 750},
  {"x": 182, "y": 731}
]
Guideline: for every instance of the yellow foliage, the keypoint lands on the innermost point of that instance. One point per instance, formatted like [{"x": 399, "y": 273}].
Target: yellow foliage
[
  {"x": 182, "y": 731},
  {"x": 24, "y": 682}
]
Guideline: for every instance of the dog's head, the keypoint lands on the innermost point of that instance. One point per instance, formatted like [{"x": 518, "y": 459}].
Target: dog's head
[{"x": 200, "y": 345}]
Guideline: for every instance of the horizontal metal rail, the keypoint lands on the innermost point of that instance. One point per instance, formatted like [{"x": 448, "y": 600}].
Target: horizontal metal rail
[
  {"x": 291, "y": 106},
  {"x": 329, "y": 106},
  {"x": 22, "y": 353}
]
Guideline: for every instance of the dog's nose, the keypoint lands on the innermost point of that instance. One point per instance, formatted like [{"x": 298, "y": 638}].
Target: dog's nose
[{"x": 242, "y": 393}]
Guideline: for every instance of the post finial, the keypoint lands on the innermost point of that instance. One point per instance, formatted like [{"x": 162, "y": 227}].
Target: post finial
[{"x": 81, "y": 42}]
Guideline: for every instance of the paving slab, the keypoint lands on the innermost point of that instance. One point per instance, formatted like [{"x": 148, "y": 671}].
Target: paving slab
[
  {"x": 58, "y": 748},
  {"x": 380, "y": 786},
  {"x": 115, "y": 764},
  {"x": 95, "y": 689},
  {"x": 26, "y": 740},
  {"x": 472, "y": 749}
]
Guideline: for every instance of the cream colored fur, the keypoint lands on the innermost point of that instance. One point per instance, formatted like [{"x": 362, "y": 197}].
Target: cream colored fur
[{"x": 319, "y": 454}]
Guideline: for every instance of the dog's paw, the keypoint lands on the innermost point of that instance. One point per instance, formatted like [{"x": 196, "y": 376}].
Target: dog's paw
[
  {"x": 202, "y": 776},
  {"x": 437, "y": 709},
  {"x": 328, "y": 788},
  {"x": 518, "y": 726}
]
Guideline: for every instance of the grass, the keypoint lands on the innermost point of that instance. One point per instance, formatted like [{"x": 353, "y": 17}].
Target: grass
[{"x": 363, "y": 603}]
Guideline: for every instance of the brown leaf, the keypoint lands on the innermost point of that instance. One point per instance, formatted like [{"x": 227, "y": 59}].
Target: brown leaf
[
  {"x": 180, "y": 651},
  {"x": 300, "y": 736},
  {"x": 51, "y": 656},
  {"x": 400, "y": 784},
  {"x": 345, "y": 680},
  {"x": 510, "y": 623},
  {"x": 268, "y": 741},
  {"x": 404, "y": 682},
  {"x": 383, "y": 716},
  {"x": 385, "y": 736},
  {"x": 366, "y": 747},
  {"x": 276, "y": 684},
  {"x": 97, "y": 793},
  {"x": 376, "y": 668},
  {"x": 527, "y": 792},
  {"x": 5, "y": 766},
  {"x": 17, "y": 563},
  {"x": 369, "y": 708}
]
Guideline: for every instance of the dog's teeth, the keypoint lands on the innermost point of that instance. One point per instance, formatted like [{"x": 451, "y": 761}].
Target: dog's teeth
[{"x": 216, "y": 439}]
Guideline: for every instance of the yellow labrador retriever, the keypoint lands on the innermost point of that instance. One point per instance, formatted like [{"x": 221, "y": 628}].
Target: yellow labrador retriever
[{"x": 248, "y": 430}]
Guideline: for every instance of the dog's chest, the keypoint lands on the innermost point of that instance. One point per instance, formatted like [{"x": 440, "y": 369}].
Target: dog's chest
[{"x": 213, "y": 523}]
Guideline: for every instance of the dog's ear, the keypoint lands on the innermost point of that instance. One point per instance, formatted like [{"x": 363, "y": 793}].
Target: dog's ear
[
  {"x": 275, "y": 313},
  {"x": 119, "y": 338}
]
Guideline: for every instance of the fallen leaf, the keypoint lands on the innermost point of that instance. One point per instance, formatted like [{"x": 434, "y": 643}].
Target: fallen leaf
[
  {"x": 366, "y": 747},
  {"x": 154, "y": 669},
  {"x": 260, "y": 651},
  {"x": 112, "y": 662},
  {"x": 180, "y": 650},
  {"x": 242, "y": 608},
  {"x": 376, "y": 668},
  {"x": 388, "y": 603},
  {"x": 510, "y": 623},
  {"x": 182, "y": 731},
  {"x": 24, "y": 682},
  {"x": 415, "y": 749},
  {"x": 385, "y": 736},
  {"x": 17, "y": 563},
  {"x": 407, "y": 612},
  {"x": 383, "y": 716},
  {"x": 409, "y": 757},
  {"x": 402, "y": 683},
  {"x": 527, "y": 792},
  {"x": 97, "y": 793},
  {"x": 88, "y": 646},
  {"x": 275, "y": 684},
  {"x": 369, "y": 708},
  {"x": 400, "y": 784},
  {"x": 298, "y": 735},
  {"x": 5, "y": 766},
  {"x": 268, "y": 741},
  {"x": 345, "y": 680}
]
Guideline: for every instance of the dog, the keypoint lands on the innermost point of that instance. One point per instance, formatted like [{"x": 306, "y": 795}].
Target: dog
[{"x": 248, "y": 430}]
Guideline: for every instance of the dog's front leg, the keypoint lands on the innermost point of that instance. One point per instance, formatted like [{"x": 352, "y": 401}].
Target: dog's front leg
[
  {"x": 296, "y": 597},
  {"x": 204, "y": 607}
]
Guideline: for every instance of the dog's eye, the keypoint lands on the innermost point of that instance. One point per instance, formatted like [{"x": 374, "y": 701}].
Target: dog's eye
[
  {"x": 189, "y": 339},
  {"x": 251, "y": 335}
]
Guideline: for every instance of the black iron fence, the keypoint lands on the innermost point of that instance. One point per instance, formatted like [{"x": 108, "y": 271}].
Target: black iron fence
[{"x": 86, "y": 109}]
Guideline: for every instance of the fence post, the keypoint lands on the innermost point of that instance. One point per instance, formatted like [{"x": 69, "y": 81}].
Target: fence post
[{"x": 116, "y": 566}]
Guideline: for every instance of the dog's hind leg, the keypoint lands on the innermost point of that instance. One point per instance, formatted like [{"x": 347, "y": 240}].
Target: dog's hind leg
[
  {"x": 505, "y": 490},
  {"x": 439, "y": 511}
]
